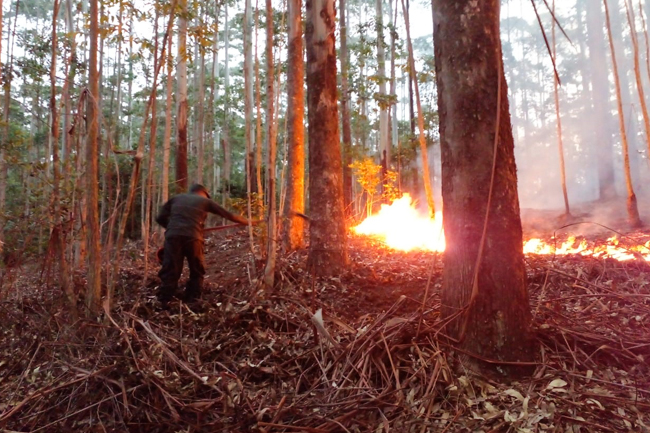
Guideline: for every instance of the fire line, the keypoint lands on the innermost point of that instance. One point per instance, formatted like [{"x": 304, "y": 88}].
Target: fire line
[{"x": 401, "y": 227}]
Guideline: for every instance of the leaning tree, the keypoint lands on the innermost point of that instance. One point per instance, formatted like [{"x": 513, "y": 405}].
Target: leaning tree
[{"x": 484, "y": 297}]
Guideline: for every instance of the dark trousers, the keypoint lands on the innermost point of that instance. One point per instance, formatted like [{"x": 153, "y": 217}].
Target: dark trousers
[{"x": 177, "y": 248}]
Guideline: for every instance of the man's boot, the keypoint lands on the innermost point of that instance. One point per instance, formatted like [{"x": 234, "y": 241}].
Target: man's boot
[
  {"x": 192, "y": 291},
  {"x": 165, "y": 295}
]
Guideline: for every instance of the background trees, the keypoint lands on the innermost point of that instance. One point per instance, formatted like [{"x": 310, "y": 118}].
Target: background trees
[{"x": 375, "y": 117}]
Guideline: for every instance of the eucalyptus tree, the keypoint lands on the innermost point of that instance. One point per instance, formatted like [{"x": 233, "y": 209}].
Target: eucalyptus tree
[
  {"x": 384, "y": 146},
  {"x": 632, "y": 206},
  {"x": 181, "y": 100},
  {"x": 630, "y": 112},
  {"x": 600, "y": 99},
  {"x": 58, "y": 232},
  {"x": 423, "y": 147},
  {"x": 248, "y": 109},
  {"x": 269, "y": 270},
  {"x": 560, "y": 143},
  {"x": 637, "y": 71},
  {"x": 3, "y": 162},
  {"x": 484, "y": 297},
  {"x": 328, "y": 239},
  {"x": 293, "y": 230},
  {"x": 93, "y": 290},
  {"x": 345, "y": 108}
]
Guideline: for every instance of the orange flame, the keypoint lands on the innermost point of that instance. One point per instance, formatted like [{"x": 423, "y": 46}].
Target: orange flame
[
  {"x": 401, "y": 227},
  {"x": 610, "y": 249}
]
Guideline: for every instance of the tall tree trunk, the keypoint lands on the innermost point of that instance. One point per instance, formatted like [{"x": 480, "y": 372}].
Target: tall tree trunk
[
  {"x": 632, "y": 208},
  {"x": 148, "y": 191},
  {"x": 589, "y": 139},
  {"x": 631, "y": 116},
  {"x": 484, "y": 293},
  {"x": 345, "y": 111},
  {"x": 269, "y": 270},
  {"x": 168, "y": 121},
  {"x": 107, "y": 181},
  {"x": 560, "y": 144},
  {"x": 58, "y": 229},
  {"x": 72, "y": 72},
  {"x": 248, "y": 110},
  {"x": 93, "y": 291},
  {"x": 181, "y": 101},
  {"x": 227, "y": 150},
  {"x": 637, "y": 73},
  {"x": 600, "y": 101},
  {"x": 384, "y": 146},
  {"x": 8, "y": 76},
  {"x": 393, "y": 91},
  {"x": 293, "y": 233},
  {"x": 216, "y": 146},
  {"x": 200, "y": 116},
  {"x": 423, "y": 145},
  {"x": 3, "y": 162},
  {"x": 258, "y": 126},
  {"x": 327, "y": 248}
]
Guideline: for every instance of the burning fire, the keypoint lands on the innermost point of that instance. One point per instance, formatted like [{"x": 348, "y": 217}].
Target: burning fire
[
  {"x": 610, "y": 249},
  {"x": 402, "y": 227}
]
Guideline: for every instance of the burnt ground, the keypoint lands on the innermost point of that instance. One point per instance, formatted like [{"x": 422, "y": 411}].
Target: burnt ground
[{"x": 241, "y": 360}]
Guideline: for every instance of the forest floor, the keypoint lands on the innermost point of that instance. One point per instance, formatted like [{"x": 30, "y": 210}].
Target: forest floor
[{"x": 236, "y": 362}]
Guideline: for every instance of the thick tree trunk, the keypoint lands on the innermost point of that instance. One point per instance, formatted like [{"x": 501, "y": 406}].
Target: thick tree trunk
[
  {"x": 560, "y": 144},
  {"x": 269, "y": 270},
  {"x": 632, "y": 207},
  {"x": 484, "y": 293},
  {"x": 293, "y": 232},
  {"x": 428, "y": 190},
  {"x": 327, "y": 249},
  {"x": 93, "y": 291},
  {"x": 600, "y": 101},
  {"x": 345, "y": 111},
  {"x": 181, "y": 102}
]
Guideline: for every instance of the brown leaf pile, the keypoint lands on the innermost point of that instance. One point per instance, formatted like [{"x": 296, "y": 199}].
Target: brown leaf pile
[{"x": 369, "y": 361}]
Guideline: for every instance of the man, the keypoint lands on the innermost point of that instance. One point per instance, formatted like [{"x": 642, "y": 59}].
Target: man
[{"x": 183, "y": 217}]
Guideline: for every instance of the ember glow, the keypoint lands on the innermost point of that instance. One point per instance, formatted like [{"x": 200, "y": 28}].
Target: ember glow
[{"x": 401, "y": 227}]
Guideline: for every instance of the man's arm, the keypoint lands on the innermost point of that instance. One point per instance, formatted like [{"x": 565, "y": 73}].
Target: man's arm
[
  {"x": 216, "y": 209},
  {"x": 165, "y": 214}
]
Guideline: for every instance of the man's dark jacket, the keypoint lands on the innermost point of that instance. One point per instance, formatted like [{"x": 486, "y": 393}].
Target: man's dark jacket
[{"x": 189, "y": 212}]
